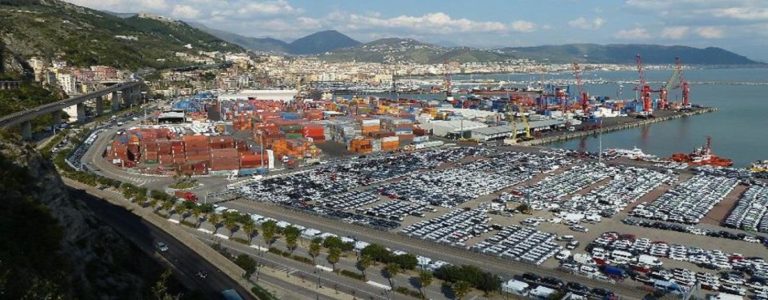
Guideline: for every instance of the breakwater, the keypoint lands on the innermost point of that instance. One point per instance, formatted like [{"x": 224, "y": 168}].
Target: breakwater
[{"x": 636, "y": 123}]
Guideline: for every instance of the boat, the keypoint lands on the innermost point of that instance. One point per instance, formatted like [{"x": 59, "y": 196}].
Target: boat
[
  {"x": 702, "y": 156},
  {"x": 635, "y": 153},
  {"x": 760, "y": 166}
]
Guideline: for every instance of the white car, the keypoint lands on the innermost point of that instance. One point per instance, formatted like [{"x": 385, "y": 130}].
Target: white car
[
  {"x": 162, "y": 247},
  {"x": 579, "y": 228}
]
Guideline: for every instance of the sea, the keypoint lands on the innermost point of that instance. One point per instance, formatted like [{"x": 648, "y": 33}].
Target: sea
[{"x": 739, "y": 129}]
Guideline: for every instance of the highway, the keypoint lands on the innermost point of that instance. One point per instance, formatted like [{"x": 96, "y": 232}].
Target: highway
[
  {"x": 26, "y": 115},
  {"x": 184, "y": 262}
]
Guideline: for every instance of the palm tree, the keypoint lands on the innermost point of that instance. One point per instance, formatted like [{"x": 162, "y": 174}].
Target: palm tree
[
  {"x": 268, "y": 231},
  {"x": 167, "y": 206},
  {"x": 214, "y": 219},
  {"x": 291, "y": 236},
  {"x": 425, "y": 279},
  {"x": 363, "y": 263},
  {"x": 182, "y": 210},
  {"x": 334, "y": 254},
  {"x": 153, "y": 203},
  {"x": 197, "y": 212},
  {"x": 231, "y": 225},
  {"x": 314, "y": 249},
  {"x": 460, "y": 289},
  {"x": 249, "y": 228},
  {"x": 390, "y": 271}
]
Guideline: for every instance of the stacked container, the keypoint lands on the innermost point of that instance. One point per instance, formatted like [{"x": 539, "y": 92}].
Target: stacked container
[
  {"x": 224, "y": 159},
  {"x": 390, "y": 143}
]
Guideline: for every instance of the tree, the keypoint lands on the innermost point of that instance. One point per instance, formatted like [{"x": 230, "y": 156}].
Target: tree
[
  {"x": 524, "y": 208},
  {"x": 215, "y": 220},
  {"x": 291, "y": 237},
  {"x": 168, "y": 207},
  {"x": 390, "y": 271},
  {"x": 268, "y": 231},
  {"x": 377, "y": 252},
  {"x": 197, "y": 213},
  {"x": 160, "y": 289},
  {"x": 425, "y": 279},
  {"x": 334, "y": 254},
  {"x": 314, "y": 249},
  {"x": 406, "y": 261},
  {"x": 153, "y": 203},
  {"x": 231, "y": 225},
  {"x": 182, "y": 210},
  {"x": 249, "y": 228},
  {"x": 460, "y": 289},
  {"x": 363, "y": 263},
  {"x": 247, "y": 263}
]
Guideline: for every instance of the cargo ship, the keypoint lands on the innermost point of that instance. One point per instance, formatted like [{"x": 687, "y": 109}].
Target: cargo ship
[{"x": 703, "y": 156}]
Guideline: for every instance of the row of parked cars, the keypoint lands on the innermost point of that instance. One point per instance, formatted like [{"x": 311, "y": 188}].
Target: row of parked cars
[
  {"x": 454, "y": 227},
  {"x": 396, "y": 210},
  {"x": 689, "y": 201},
  {"x": 349, "y": 200},
  {"x": 751, "y": 212},
  {"x": 696, "y": 230},
  {"x": 626, "y": 186},
  {"x": 520, "y": 243},
  {"x": 554, "y": 188}
]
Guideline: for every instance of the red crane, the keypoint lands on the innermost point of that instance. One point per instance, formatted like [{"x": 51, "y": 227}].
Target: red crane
[
  {"x": 584, "y": 98},
  {"x": 683, "y": 83},
  {"x": 645, "y": 89}
]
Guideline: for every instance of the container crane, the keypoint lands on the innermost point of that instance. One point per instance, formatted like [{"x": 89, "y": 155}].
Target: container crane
[
  {"x": 513, "y": 138},
  {"x": 683, "y": 84},
  {"x": 527, "y": 136},
  {"x": 584, "y": 98},
  {"x": 645, "y": 90}
]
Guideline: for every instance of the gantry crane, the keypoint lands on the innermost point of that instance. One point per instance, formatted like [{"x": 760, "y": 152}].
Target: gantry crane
[
  {"x": 644, "y": 89},
  {"x": 583, "y": 97}
]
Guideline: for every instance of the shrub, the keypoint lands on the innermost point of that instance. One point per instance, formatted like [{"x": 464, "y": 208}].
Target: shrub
[{"x": 353, "y": 275}]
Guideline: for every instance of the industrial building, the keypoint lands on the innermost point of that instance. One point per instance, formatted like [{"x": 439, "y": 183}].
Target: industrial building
[
  {"x": 280, "y": 95},
  {"x": 500, "y": 132}
]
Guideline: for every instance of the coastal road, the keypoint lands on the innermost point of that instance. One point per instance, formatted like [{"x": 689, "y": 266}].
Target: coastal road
[
  {"x": 184, "y": 262},
  {"x": 502, "y": 267}
]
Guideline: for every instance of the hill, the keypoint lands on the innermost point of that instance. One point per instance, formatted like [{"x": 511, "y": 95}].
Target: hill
[
  {"x": 625, "y": 54},
  {"x": 389, "y": 50},
  {"x": 321, "y": 42},
  {"x": 82, "y": 36},
  {"x": 251, "y": 43}
]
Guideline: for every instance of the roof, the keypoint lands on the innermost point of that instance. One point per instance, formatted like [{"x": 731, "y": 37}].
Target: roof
[
  {"x": 456, "y": 125},
  {"x": 515, "y": 285},
  {"x": 496, "y": 130}
]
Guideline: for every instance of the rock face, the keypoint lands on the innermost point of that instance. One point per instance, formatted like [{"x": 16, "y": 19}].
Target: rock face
[{"x": 52, "y": 246}]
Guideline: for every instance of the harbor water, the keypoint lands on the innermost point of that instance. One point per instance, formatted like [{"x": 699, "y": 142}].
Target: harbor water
[{"x": 739, "y": 129}]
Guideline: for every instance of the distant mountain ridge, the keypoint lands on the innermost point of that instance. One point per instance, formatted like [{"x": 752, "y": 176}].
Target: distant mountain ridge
[{"x": 316, "y": 43}]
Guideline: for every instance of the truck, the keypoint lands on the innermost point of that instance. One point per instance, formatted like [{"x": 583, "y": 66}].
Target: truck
[
  {"x": 649, "y": 260},
  {"x": 186, "y": 196},
  {"x": 614, "y": 271}
]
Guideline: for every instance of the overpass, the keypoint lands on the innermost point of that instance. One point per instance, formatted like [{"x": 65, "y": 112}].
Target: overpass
[{"x": 129, "y": 92}]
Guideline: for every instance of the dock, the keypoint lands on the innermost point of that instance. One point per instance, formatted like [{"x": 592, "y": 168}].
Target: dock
[{"x": 616, "y": 127}]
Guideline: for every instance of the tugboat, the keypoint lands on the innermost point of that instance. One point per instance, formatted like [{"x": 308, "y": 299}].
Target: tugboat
[{"x": 703, "y": 156}]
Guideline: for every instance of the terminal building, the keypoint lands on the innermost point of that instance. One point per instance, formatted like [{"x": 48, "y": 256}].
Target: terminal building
[
  {"x": 278, "y": 95},
  {"x": 501, "y": 132}
]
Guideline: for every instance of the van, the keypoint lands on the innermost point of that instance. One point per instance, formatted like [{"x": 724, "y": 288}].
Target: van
[
  {"x": 621, "y": 256},
  {"x": 649, "y": 260}
]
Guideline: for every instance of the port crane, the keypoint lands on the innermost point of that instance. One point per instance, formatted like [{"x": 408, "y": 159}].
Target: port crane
[
  {"x": 584, "y": 98},
  {"x": 645, "y": 90}
]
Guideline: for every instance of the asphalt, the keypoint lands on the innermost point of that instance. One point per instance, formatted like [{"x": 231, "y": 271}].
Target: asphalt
[{"x": 184, "y": 262}]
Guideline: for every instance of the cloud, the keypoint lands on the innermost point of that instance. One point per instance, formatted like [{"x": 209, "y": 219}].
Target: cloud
[
  {"x": 742, "y": 13},
  {"x": 710, "y": 32},
  {"x": 636, "y": 33},
  {"x": 123, "y": 5},
  {"x": 675, "y": 32},
  {"x": 523, "y": 26},
  {"x": 433, "y": 23},
  {"x": 279, "y": 7},
  {"x": 185, "y": 12},
  {"x": 583, "y": 23}
]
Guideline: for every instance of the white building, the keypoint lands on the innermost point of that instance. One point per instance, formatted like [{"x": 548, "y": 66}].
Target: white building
[{"x": 67, "y": 83}]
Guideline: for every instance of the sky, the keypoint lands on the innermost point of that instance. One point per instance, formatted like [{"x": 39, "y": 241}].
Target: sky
[{"x": 736, "y": 25}]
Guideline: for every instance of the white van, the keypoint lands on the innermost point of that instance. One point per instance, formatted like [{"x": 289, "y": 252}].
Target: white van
[
  {"x": 650, "y": 260},
  {"x": 621, "y": 256}
]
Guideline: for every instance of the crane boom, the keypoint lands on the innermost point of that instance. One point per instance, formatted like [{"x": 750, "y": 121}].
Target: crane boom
[
  {"x": 645, "y": 89},
  {"x": 584, "y": 99}
]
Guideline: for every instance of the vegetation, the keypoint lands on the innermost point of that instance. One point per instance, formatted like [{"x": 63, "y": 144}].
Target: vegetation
[
  {"x": 216, "y": 221},
  {"x": 314, "y": 248},
  {"x": 27, "y": 96},
  {"x": 261, "y": 293},
  {"x": 247, "y": 263},
  {"x": 268, "y": 232},
  {"x": 408, "y": 292},
  {"x": 184, "y": 183},
  {"x": 460, "y": 289},
  {"x": 380, "y": 254},
  {"x": 291, "y": 234},
  {"x": 58, "y": 28},
  {"x": 484, "y": 281},
  {"x": 363, "y": 263},
  {"x": 425, "y": 279},
  {"x": 334, "y": 254},
  {"x": 353, "y": 275},
  {"x": 390, "y": 271},
  {"x": 335, "y": 242},
  {"x": 249, "y": 228}
]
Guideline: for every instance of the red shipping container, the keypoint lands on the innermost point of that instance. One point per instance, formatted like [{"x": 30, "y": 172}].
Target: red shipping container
[{"x": 225, "y": 153}]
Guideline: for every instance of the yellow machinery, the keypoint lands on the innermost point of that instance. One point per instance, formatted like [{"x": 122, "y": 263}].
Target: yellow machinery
[
  {"x": 527, "y": 136},
  {"x": 513, "y": 138}
]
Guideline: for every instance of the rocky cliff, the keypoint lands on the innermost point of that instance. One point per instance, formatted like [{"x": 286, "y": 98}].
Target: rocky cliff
[{"x": 52, "y": 246}]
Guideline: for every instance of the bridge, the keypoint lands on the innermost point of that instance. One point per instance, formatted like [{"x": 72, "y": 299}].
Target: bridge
[{"x": 129, "y": 92}]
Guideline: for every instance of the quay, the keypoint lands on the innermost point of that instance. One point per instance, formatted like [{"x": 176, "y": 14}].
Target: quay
[{"x": 564, "y": 136}]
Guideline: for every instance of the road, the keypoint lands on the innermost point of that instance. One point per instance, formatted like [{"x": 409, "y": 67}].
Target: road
[
  {"x": 503, "y": 267},
  {"x": 184, "y": 262}
]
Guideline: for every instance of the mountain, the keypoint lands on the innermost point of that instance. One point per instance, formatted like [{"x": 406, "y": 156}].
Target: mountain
[
  {"x": 82, "y": 36},
  {"x": 389, "y": 50},
  {"x": 316, "y": 43},
  {"x": 408, "y": 50},
  {"x": 321, "y": 42},
  {"x": 625, "y": 54},
  {"x": 251, "y": 43}
]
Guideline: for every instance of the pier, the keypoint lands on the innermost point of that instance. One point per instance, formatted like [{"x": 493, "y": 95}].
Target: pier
[{"x": 564, "y": 136}]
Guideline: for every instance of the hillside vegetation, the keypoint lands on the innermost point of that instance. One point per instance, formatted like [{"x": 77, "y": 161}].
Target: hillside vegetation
[{"x": 83, "y": 37}]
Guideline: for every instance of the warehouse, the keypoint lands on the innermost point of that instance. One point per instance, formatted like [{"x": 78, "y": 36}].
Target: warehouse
[
  {"x": 499, "y": 132},
  {"x": 281, "y": 95},
  {"x": 453, "y": 127}
]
